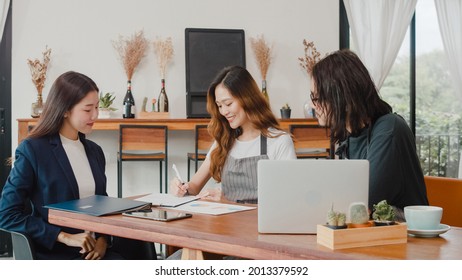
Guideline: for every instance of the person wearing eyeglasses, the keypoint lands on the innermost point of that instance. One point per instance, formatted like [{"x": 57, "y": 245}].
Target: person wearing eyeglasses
[{"x": 364, "y": 126}]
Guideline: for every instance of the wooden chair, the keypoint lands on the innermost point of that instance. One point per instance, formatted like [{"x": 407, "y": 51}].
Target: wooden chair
[
  {"x": 23, "y": 248},
  {"x": 203, "y": 142},
  {"x": 312, "y": 141},
  {"x": 142, "y": 143},
  {"x": 446, "y": 193}
]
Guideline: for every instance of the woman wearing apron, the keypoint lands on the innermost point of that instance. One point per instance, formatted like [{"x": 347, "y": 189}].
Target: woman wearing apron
[{"x": 245, "y": 131}]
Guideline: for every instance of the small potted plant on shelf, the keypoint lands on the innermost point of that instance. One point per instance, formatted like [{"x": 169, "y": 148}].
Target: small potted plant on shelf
[
  {"x": 285, "y": 111},
  {"x": 383, "y": 214},
  {"x": 105, "y": 103}
]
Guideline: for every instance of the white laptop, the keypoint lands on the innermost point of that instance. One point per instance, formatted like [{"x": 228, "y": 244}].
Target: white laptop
[{"x": 294, "y": 196}]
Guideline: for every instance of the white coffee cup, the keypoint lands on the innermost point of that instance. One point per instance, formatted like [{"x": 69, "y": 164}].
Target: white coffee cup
[{"x": 423, "y": 217}]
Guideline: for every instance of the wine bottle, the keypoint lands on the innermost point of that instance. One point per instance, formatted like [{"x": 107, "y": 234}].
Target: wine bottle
[
  {"x": 263, "y": 90},
  {"x": 162, "y": 102},
  {"x": 129, "y": 103}
]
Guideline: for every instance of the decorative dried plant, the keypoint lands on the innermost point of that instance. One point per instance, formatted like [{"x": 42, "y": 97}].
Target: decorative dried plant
[
  {"x": 262, "y": 54},
  {"x": 164, "y": 53},
  {"x": 131, "y": 51},
  {"x": 9, "y": 161},
  {"x": 312, "y": 56},
  {"x": 39, "y": 69}
]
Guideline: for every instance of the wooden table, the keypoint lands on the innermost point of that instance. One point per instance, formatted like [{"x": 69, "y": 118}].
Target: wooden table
[
  {"x": 236, "y": 235},
  {"x": 172, "y": 124}
]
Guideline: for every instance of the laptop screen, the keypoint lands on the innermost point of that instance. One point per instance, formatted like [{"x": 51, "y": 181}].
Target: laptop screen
[{"x": 294, "y": 196}]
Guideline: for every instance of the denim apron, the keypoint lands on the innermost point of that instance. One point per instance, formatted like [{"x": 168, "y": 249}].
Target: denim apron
[{"x": 239, "y": 177}]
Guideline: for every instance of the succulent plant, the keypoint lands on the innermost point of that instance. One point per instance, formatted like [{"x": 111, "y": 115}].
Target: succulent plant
[
  {"x": 331, "y": 217},
  {"x": 286, "y": 106},
  {"x": 358, "y": 213},
  {"x": 383, "y": 211},
  {"x": 341, "y": 219},
  {"x": 335, "y": 218},
  {"x": 106, "y": 100}
]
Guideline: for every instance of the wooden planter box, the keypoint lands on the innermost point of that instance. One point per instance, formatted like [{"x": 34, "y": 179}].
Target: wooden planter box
[{"x": 361, "y": 237}]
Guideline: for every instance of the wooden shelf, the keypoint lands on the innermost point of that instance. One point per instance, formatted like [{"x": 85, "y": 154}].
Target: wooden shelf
[{"x": 172, "y": 124}]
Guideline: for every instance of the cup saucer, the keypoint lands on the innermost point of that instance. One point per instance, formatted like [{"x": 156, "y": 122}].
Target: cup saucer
[{"x": 442, "y": 228}]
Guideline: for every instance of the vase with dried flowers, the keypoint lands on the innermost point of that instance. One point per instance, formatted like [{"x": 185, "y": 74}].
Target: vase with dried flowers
[
  {"x": 131, "y": 51},
  {"x": 262, "y": 53},
  {"x": 311, "y": 57},
  {"x": 163, "y": 50},
  {"x": 38, "y": 70}
]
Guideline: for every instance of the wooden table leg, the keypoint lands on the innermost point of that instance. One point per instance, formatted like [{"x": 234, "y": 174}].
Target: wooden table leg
[{"x": 191, "y": 254}]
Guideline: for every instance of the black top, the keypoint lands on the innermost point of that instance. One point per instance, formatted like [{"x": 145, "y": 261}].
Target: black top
[{"x": 395, "y": 173}]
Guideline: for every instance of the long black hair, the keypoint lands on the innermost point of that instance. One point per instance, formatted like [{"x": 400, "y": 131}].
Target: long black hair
[
  {"x": 68, "y": 90},
  {"x": 346, "y": 94}
]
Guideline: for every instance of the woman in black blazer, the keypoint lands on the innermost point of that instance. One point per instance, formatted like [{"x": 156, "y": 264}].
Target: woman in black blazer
[{"x": 55, "y": 164}]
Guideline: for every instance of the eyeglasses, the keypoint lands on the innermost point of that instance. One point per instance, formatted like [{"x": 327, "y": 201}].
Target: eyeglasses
[{"x": 314, "y": 99}]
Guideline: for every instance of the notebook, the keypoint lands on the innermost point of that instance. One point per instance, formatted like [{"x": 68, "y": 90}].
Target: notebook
[
  {"x": 294, "y": 196},
  {"x": 100, "y": 205}
]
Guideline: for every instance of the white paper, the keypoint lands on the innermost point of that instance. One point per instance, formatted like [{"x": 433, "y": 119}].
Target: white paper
[
  {"x": 212, "y": 208},
  {"x": 167, "y": 200}
]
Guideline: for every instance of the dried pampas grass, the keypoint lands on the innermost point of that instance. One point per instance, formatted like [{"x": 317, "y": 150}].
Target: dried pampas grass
[
  {"x": 9, "y": 161},
  {"x": 312, "y": 56},
  {"x": 262, "y": 53},
  {"x": 164, "y": 52},
  {"x": 38, "y": 70},
  {"x": 131, "y": 51}
]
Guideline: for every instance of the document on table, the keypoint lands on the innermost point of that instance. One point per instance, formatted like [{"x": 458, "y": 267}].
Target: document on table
[
  {"x": 168, "y": 200},
  {"x": 212, "y": 208}
]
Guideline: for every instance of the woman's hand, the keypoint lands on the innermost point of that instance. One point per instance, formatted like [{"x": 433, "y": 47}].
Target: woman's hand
[
  {"x": 214, "y": 194},
  {"x": 177, "y": 188},
  {"x": 99, "y": 250},
  {"x": 83, "y": 240}
]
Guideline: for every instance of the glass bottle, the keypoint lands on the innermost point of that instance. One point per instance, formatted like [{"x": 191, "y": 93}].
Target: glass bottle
[
  {"x": 37, "y": 107},
  {"x": 162, "y": 102},
  {"x": 263, "y": 90},
  {"x": 129, "y": 103},
  {"x": 308, "y": 109}
]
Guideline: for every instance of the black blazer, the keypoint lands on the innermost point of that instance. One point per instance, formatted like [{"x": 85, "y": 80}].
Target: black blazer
[{"x": 42, "y": 174}]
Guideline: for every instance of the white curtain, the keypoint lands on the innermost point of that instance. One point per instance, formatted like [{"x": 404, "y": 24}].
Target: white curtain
[
  {"x": 450, "y": 21},
  {"x": 378, "y": 28},
  {"x": 4, "y": 4}
]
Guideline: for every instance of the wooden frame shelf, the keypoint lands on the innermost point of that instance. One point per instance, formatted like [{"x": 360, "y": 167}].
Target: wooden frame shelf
[{"x": 172, "y": 124}]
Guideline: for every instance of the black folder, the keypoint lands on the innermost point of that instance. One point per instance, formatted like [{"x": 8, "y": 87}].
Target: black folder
[{"x": 100, "y": 205}]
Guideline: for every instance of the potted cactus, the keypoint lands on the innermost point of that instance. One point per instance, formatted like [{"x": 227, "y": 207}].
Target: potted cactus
[
  {"x": 336, "y": 220},
  {"x": 359, "y": 216},
  {"x": 105, "y": 103},
  {"x": 285, "y": 111}
]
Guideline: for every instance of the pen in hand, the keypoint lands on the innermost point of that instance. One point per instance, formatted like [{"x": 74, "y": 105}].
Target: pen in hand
[{"x": 177, "y": 173}]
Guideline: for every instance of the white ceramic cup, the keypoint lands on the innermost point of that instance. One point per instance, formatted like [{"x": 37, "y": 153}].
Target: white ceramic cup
[{"x": 423, "y": 217}]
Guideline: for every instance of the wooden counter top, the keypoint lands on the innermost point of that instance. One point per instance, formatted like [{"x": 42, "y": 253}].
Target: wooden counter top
[{"x": 172, "y": 124}]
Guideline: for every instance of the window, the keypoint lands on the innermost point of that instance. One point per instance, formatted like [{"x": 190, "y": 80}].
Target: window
[{"x": 437, "y": 108}]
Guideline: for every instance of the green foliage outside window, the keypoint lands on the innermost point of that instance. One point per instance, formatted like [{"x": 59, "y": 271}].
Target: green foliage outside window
[{"x": 438, "y": 110}]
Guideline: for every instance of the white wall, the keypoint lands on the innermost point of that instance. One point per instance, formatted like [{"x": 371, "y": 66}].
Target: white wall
[{"x": 80, "y": 33}]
